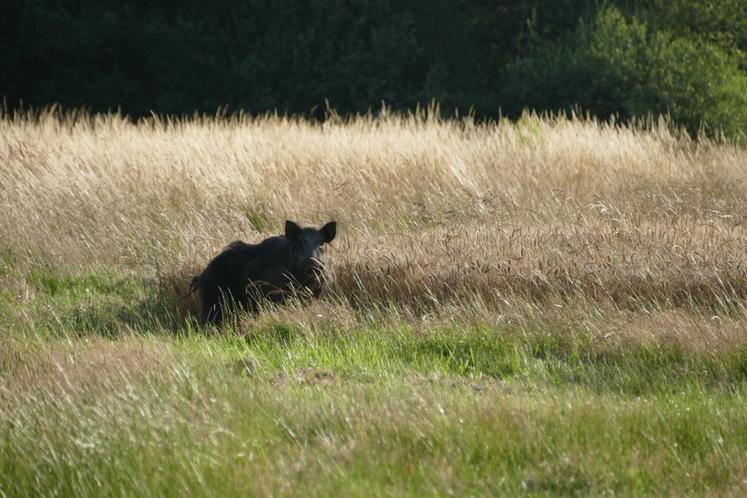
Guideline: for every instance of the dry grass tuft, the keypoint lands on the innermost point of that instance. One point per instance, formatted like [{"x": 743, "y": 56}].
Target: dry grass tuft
[{"x": 678, "y": 263}]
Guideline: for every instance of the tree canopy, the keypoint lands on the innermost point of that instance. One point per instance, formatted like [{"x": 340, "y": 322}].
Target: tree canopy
[{"x": 627, "y": 58}]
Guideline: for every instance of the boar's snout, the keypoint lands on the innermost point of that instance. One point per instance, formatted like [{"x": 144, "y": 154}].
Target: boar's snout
[
  {"x": 315, "y": 271},
  {"x": 314, "y": 276}
]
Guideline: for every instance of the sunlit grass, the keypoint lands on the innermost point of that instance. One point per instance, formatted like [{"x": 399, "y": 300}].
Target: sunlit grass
[{"x": 550, "y": 307}]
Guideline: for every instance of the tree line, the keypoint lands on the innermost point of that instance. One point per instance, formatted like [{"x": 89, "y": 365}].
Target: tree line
[{"x": 622, "y": 58}]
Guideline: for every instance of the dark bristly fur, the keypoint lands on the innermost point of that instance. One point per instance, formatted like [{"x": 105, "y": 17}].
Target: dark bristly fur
[{"x": 280, "y": 266}]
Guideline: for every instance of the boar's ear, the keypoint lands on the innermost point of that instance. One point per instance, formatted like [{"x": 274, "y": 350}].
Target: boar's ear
[
  {"x": 292, "y": 230},
  {"x": 329, "y": 231}
]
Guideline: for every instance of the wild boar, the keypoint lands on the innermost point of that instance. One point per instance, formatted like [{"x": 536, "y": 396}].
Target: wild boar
[{"x": 244, "y": 274}]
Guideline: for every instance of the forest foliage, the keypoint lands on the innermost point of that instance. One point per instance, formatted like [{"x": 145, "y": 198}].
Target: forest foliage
[{"x": 623, "y": 58}]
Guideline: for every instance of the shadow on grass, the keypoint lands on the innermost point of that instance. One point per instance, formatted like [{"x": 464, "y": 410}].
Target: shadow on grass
[
  {"x": 111, "y": 304},
  {"x": 107, "y": 303}
]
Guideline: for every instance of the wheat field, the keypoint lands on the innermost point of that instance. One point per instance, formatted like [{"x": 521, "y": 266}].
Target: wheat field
[{"x": 574, "y": 290}]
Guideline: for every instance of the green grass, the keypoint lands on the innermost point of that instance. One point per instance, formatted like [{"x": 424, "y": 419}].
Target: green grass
[
  {"x": 219, "y": 432},
  {"x": 101, "y": 395}
]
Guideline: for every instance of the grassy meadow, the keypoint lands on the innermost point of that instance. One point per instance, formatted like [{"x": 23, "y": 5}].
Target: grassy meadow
[{"x": 555, "y": 306}]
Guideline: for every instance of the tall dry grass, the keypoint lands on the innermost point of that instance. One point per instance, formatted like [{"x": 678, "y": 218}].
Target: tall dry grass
[
  {"x": 430, "y": 210},
  {"x": 553, "y": 306}
]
